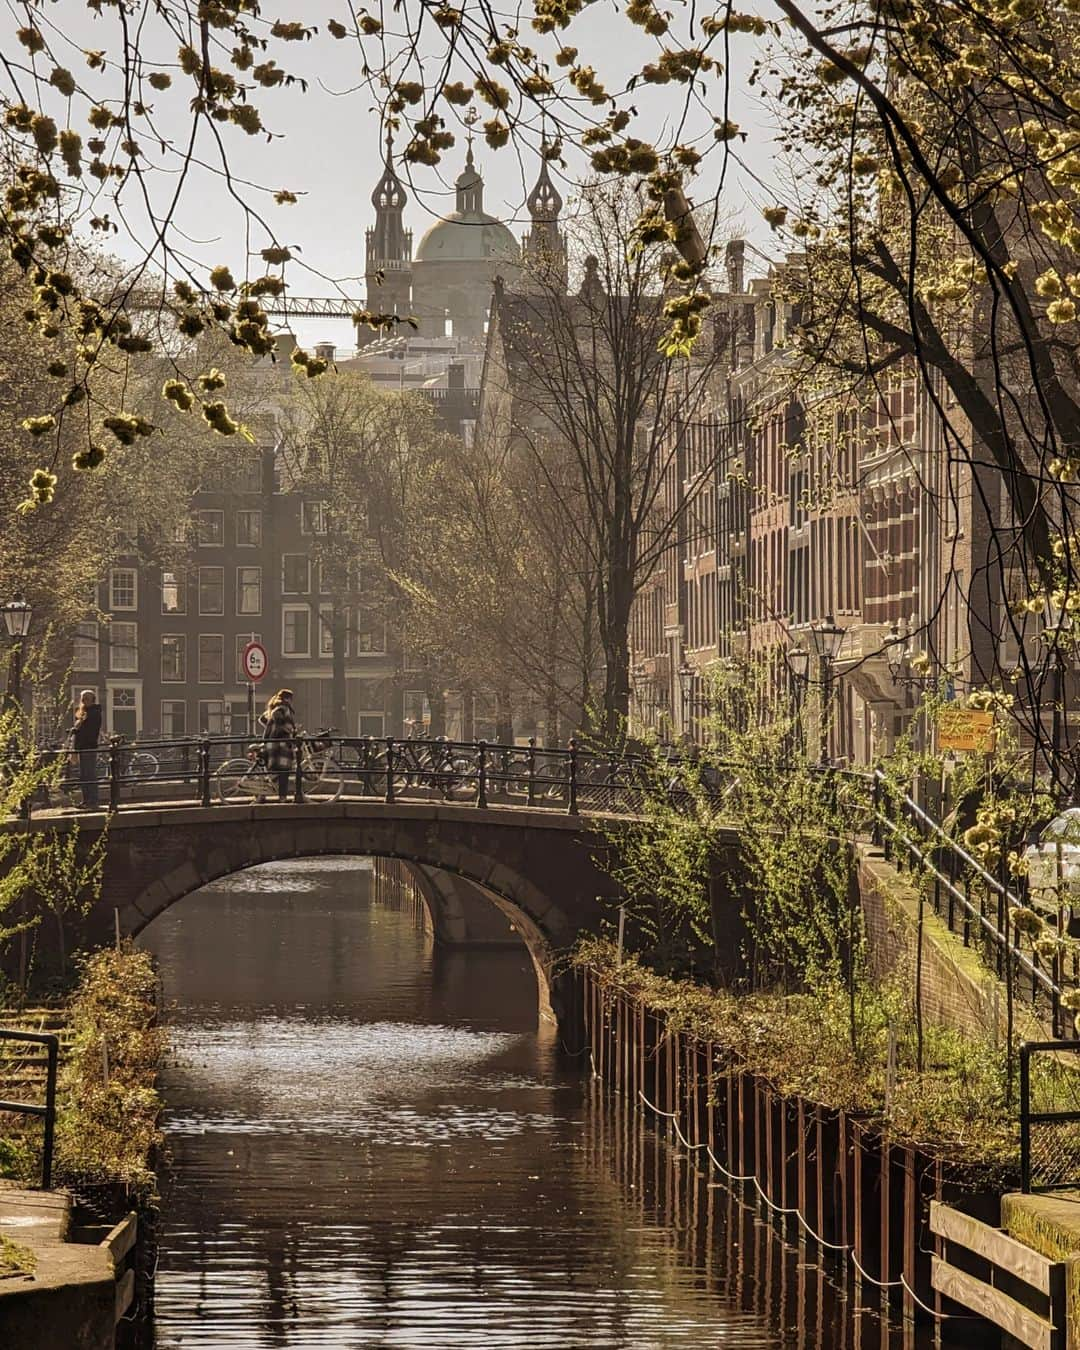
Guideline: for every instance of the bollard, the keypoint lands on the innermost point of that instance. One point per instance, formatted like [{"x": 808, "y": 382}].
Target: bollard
[
  {"x": 114, "y": 773},
  {"x": 390, "y": 768},
  {"x": 298, "y": 775},
  {"x": 481, "y": 775},
  {"x": 204, "y": 770}
]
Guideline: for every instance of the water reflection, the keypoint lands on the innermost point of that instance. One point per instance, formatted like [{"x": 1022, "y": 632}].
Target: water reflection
[{"x": 372, "y": 1146}]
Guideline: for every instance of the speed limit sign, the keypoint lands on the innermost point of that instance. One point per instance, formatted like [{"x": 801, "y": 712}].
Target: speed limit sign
[{"x": 254, "y": 661}]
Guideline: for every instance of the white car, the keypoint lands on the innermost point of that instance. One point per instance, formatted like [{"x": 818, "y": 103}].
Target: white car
[{"x": 1053, "y": 868}]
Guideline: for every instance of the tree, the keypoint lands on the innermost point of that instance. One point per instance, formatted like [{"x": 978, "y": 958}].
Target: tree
[{"x": 585, "y": 393}]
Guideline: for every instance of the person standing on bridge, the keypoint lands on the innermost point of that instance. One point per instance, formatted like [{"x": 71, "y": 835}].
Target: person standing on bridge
[
  {"x": 85, "y": 735},
  {"x": 279, "y": 734}
]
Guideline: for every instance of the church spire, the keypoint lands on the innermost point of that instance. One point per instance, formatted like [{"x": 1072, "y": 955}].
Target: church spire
[
  {"x": 388, "y": 270},
  {"x": 470, "y": 186},
  {"x": 544, "y": 247}
]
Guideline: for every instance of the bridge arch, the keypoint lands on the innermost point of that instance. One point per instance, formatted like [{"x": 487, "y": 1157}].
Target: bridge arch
[{"x": 536, "y": 867}]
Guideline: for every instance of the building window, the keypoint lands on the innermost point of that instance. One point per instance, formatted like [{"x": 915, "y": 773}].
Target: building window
[
  {"x": 211, "y": 590},
  {"x": 370, "y": 635},
  {"x": 84, "y": 653},
  {"x": 173, "y": 718},
  {"x": 173, "y": 593},
  {"x": 248, "y": 529},
  {"x": 210, "y": 528},
  {"x": 416, "y": 712},
  {"x": 312, "y": 517},
  {"x": 326, "y": 630},
  {"x": 213, "y": 717},
  {"x": 124, "y": 647},
  {"x": 242, "y": 640},
  {"x": 211, "y": 658},
  {"x": 249, "y": 590},
  {"x": 248, "y": 473},
  {"x": 370, "y": 724},
  {"x": 124, "y": 703},
  {"x": 123, "y": 588},
  {"x": 173, "y": 658},
  {"x": 295, "y": 630},
  {"x": 295, "y": 574}
]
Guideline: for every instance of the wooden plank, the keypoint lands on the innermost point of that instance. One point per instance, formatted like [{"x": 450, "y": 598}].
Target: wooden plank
[
  {"x": 122, "y": 1238},
  {"x": 993, "y": 1245},
  {"x": 1028, "y": 1328},
  {"x": 125, "y": 1293}
]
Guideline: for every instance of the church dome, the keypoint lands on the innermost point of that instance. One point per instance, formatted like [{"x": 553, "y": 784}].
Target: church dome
[{"x": 468, "y": 237}]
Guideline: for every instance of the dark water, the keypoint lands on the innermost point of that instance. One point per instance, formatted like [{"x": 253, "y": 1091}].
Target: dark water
[{"x": 373, "y": 1146}]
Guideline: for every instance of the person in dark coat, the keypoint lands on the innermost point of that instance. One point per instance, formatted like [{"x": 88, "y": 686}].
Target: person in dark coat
[
  {"x": 85, "y": 735},
  {"x": 279, "y": 734}
]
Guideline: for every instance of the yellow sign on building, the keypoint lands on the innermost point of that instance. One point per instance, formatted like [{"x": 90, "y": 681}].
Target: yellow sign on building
[{"x": 965, "y": 729}]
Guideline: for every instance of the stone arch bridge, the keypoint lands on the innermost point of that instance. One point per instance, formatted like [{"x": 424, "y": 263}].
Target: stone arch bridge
[{"x": 488, "y": 875}]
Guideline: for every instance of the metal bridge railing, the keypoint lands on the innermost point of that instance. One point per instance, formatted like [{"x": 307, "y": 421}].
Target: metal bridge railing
[{"x": 47, "y": 1110}]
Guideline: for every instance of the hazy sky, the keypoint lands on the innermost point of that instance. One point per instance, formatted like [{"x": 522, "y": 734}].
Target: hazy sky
[{"x": 326, "y": 148}]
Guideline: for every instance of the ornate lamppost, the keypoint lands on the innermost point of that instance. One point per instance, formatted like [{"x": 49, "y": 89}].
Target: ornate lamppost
[
  {"x": 17, "y": 614},
  {"x": 826, "y": 639}
]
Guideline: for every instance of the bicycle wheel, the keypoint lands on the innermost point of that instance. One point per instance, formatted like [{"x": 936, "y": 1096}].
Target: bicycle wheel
[
  {"x": 322, "y": 779},
  {"x": 143, "y": 765},
  {"x": 239, "y": 780}
]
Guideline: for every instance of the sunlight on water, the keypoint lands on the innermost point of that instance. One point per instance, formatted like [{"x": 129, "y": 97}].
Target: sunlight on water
[{"x": 372, "y": 1146}]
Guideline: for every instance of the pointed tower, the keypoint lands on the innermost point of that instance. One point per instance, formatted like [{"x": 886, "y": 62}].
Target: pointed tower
[
  {"x": 388, "y": 270},
  {"x": 544, "y": 247}
]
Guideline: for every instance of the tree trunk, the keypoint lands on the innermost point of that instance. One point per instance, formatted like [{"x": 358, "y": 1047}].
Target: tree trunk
[
  {"x": 504, "y": 718},
  {"x": 616, "y": 640},
  {"x": 436, "y": 696}
]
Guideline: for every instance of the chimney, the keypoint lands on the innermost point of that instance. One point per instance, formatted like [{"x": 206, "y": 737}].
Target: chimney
[
  {"x": 455, "y": 375},
  {"x": 735, "y": 257}
]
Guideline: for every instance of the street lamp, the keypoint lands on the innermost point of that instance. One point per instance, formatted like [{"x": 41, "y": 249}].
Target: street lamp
[
  {"x": 826, "y": 638},
  {"x": 17, "y": 615},
  {"x": 686, "y": 683}
]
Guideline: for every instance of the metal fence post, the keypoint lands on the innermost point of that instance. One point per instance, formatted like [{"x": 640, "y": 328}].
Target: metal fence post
[
  {"x": 114, "y": 773},
  {"x": 389, "y": 768},
  {"x": 298, "y": 770},
  {"x": 52, "y": 1050},
  {"x": 532, "y": 771},
  {"x": 204, "y": 770},
  {"x": 571, "y": 788},
  {"x": 481, "y": 775}
]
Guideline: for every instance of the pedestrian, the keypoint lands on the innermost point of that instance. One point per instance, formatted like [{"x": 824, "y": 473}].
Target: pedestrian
[
  {"x": 279, "y": 734},
  {"x": 85, "y": 734}
]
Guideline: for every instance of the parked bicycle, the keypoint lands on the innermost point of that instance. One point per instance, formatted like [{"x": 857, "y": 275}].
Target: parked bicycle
[{"x": 249, "y": 780}]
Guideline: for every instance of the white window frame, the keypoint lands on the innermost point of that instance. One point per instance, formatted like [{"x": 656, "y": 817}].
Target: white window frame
[
  {"x": 375, "y": 630},
  {"x": 212, "y": 613},
  {"x": 172, "y": 702},
  {"x": 134, "y": 574},
  {"x": 91, "y": 641},
  {"x": 248, "y": 613},
  {"x": 115, "y": 646},
  {"x": 199, "y": 516},
  {"x": 180, "y": 582},
  {"x": 111, "y": 686},
  {"x": 326, "y": 631},
  {"x": 180, "y": 638},
  {"x": 312, "y": 517},
  {"x": 223, "y": 704},
  {"x": 199, "y": 661},
  {"x": 295, "y": 609},
  {"x": 307, "y": 559},
  {"x": 245, "y": 543},
  {"x": 380, "y": 713}
]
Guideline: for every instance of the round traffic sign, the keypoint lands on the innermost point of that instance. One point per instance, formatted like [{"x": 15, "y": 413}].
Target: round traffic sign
[{"x": 255, "y": 661}]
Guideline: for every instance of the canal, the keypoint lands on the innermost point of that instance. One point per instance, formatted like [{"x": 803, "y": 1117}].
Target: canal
[{"x": 371, "y": 1144}]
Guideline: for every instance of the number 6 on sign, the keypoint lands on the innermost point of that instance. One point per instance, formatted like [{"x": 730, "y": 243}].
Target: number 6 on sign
[{"x": 254, "y": 661}]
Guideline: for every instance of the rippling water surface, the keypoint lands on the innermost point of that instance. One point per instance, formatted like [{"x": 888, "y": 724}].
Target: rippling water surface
[{"x": 373, "y": 1146}]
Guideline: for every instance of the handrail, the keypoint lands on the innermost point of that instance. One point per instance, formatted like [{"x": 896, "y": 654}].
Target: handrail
[{"x": 51, "y": 1043}]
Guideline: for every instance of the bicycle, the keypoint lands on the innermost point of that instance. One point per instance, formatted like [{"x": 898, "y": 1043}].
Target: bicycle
[{"x": 249, "y": 779}]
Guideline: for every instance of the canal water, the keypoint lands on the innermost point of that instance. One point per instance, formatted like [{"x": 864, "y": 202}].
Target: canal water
[{"x": 372, "y": 1145}]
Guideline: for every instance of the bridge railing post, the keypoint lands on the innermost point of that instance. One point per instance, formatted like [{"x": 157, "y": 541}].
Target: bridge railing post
[
  {"x": 115, "y": 762},
  {"x": 390, "y": 768},
  {"x": 204, "y": 770},
  {"x": 481, "y": 775},
  {"x": 532, "y": 770},
  {"x": 571, "y": 776},
  {"x": 298, "y": 769}
]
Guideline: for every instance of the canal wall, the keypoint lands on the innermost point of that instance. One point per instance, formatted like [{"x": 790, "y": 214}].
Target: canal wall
[{"x": 832, "y": 1178}]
